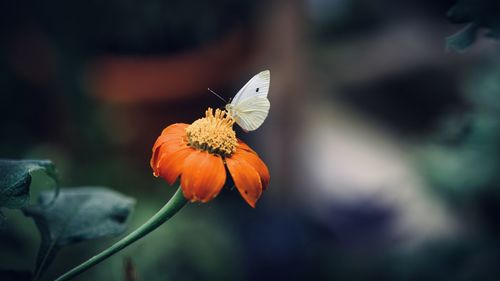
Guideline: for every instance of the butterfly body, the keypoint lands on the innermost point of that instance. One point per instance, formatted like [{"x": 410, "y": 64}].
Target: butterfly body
[{"x": 250, "y": 106}]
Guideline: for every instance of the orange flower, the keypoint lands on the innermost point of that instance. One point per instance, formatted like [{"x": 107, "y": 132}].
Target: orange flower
[{"x": 198, "y": 152}]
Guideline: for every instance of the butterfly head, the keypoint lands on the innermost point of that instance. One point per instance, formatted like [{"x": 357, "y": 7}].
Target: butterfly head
[{"x": 230, "y": 110}]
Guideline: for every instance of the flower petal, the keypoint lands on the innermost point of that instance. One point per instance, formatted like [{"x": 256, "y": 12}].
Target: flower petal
[
  {"x": 174, "y": 131},
  {"x": 171, "y": 133},
  {"x": 246, "y": 179},
  {"x": 171, "y": 164},
  {"x": 244, "y": 146},
  {"x": 203, "y": 176},
  {"x": 165, "y": 151},
  {"x": 254, "y": 160}
]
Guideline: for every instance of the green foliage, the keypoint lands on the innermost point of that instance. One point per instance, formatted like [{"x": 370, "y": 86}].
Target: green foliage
[
  {"x": 76, "y": 215},
  {"x": 15, "y": 180},
  {"x": 479, "y": 14},
  {"x": 463, "y": 39},
  {"x": 463, "y": 163}
]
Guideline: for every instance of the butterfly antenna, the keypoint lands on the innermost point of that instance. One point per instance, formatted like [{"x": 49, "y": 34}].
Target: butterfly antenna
[{"x": 217, "y": 95}]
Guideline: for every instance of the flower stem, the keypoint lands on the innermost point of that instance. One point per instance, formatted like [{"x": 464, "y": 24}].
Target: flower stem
[{"x": 165, "y": 213}]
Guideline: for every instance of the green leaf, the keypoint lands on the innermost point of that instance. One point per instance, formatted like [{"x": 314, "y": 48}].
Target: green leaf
[
  {"x": 15, "y": 180},
  {"x": 479, "y": 14},
  {"x": 76, "y": 215},
  {"x": 463, "y": 39}
]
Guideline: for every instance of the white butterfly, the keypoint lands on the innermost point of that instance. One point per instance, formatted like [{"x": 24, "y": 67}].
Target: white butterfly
[{"x": 250, "y": 106}]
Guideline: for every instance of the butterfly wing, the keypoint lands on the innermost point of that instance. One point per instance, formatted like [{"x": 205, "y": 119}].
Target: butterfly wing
[
  {"x": 250, "y": 113},
  {"x": 257, "y": 86},
  {"x": 250, "y": 106}
]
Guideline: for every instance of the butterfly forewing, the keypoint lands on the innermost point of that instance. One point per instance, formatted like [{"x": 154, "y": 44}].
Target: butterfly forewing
[{"x": 257, "y": 86}]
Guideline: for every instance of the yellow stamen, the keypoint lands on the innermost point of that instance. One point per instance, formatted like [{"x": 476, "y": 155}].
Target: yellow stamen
[{"x": 213, "y": 133}]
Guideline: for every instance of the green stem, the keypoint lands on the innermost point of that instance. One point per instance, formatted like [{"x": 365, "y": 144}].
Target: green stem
[{"x": 165, "y": 213}]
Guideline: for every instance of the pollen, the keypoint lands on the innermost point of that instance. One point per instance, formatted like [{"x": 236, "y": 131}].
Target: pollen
[{"x": 213, "y": 133}]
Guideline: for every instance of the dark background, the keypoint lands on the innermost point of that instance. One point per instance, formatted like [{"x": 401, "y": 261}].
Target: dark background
[{"x": 383, "y": 146}]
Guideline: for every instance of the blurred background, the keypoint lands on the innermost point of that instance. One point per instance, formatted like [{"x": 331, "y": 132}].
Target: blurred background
[{"x": 383, "y": 147}]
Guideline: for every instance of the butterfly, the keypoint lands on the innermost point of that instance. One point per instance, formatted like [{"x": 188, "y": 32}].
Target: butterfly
[{"x": 250, "y": 106}]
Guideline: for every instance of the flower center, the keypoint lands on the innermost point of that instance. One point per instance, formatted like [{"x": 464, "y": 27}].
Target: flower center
[{"x": 213, "y": 133}]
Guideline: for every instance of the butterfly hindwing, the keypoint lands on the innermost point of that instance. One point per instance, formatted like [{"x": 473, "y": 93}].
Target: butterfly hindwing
[{"x": 252, "y": 112}]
